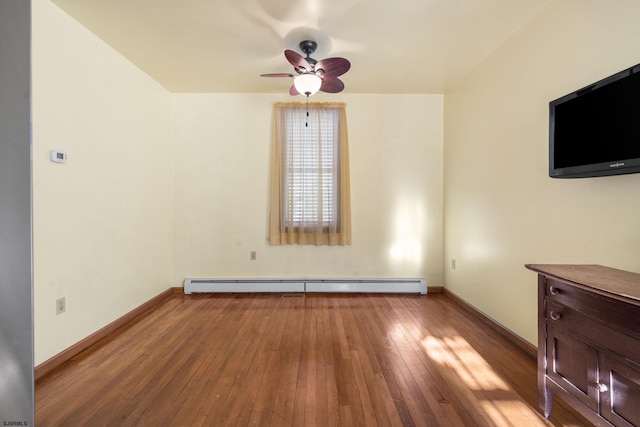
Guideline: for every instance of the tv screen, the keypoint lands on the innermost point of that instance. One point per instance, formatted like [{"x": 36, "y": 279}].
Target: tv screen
[{"x": 595, "y": 131}]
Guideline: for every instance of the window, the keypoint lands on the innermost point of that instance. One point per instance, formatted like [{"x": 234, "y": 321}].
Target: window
[{"x": 310, "y": 197}]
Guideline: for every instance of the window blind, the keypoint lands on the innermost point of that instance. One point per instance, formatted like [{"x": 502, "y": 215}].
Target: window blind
[{"x": 312, "y": 161}]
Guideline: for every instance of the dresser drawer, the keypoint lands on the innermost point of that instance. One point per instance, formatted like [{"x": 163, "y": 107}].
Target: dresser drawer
[
  {"x": 616, "y": 314},
  {"x": 577, "y": 324}
]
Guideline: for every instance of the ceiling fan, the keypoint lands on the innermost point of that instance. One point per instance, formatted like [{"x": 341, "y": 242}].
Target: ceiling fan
[{"x": 313, "y": 75}]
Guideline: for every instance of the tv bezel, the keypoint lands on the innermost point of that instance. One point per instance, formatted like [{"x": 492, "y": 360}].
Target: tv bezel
[{"x": 617, "y": 167}]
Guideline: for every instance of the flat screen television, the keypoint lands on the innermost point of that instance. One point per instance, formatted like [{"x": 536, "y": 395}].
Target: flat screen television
[{"x": 595, "y": 131}]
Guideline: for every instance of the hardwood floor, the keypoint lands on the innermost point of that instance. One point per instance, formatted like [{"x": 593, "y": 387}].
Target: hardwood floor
[{"x": 298, "y": 360}]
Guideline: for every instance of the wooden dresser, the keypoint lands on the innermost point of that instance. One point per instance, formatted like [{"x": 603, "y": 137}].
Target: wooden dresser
[{"x": 589, "y": 341}]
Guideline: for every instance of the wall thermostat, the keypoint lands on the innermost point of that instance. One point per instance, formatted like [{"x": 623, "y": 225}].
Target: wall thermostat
[{"x": 58, "y": 156}]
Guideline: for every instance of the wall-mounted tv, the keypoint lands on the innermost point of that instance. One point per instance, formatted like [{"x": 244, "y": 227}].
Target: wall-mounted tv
[{"x": 595, "y": 131}]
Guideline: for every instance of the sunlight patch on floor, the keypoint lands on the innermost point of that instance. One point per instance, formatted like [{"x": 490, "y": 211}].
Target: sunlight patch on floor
[
  {"x": 498, "y": 402},
  {"x": 473, "y": 370}
]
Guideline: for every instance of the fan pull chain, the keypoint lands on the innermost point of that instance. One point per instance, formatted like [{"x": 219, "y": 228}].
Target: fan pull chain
[{"x": 306, "y": 124}]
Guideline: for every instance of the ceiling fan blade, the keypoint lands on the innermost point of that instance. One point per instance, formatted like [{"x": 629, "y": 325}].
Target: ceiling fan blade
[
  {"x": 277, "y": 75},
  {"x": 331, "y": 85},
  {"x": 333, "y": 66},
  {"x": 293, "y": 91},
  {"x": 300, "y": 64}
]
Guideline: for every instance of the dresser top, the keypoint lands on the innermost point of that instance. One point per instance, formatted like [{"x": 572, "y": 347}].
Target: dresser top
[{"x": 605, "y": 280}]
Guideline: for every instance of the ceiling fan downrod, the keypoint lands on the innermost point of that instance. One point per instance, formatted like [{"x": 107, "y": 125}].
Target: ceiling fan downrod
[{"x": 308, "y": 47}]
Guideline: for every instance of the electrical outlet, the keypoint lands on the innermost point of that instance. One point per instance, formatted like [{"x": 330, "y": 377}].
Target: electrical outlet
[
  {"x": 253, "y": 255},
  {"x": 61, "y": 305},
  {"x": 453, "y": 263}
]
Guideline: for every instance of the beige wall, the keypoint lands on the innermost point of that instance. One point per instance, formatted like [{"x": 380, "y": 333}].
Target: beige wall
[
  {"x": 501, "y": 208},
  {"x": 222, "y": 160},
  {"x": 103, "y": 221}
]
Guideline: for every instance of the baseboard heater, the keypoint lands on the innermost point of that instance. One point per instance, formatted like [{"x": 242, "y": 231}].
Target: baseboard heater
[{"x": 404, "y": 286}]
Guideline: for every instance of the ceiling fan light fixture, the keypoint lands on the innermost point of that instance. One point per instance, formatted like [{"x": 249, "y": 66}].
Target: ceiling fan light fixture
[{"x": 307, "y": 84}]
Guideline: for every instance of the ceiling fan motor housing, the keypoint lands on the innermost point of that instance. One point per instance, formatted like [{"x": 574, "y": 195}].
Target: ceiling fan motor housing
[{"x": 308, "y": 46}]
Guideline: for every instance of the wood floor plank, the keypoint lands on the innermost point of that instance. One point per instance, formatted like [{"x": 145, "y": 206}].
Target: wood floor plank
[
  {"x": 298, "y": 360},
  {"x": 328, "y": 354},
  {"x": 248, "y": 365},
  {"x": 291, "y": 350},
  {"x": 304, "y": 408},
  {"x": 376, "y": 347}
]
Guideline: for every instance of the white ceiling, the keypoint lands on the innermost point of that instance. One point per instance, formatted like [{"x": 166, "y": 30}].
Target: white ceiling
[{"x": 401, "y": 46}]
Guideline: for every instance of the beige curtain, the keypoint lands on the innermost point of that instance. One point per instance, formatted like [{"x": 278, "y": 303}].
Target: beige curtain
[{"x": 310, "y": 199}]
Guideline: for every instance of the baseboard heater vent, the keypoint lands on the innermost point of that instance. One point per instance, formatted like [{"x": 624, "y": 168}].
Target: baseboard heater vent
[{"x": 395, "y": 286}]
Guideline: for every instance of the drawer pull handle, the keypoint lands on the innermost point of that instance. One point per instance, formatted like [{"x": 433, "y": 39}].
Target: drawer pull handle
[
  {"x": 601, "y": 387},
  {"x": 554, "y": 315},
  {"x": 554, "y": 290}
]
